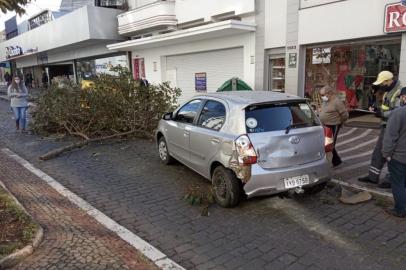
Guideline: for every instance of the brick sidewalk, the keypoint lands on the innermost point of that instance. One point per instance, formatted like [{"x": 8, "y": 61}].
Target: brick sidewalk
[{"x": 72, "y": 239}]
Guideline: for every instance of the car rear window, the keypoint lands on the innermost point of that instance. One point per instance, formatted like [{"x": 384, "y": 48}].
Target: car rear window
[{"x": 281, "y": 116}]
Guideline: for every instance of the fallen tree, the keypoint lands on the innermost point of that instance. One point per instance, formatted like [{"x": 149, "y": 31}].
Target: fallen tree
[{"x": 114, "y": 106}]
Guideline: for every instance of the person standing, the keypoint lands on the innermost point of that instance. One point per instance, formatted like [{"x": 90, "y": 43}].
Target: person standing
[
  {"x": 394, "y": 151},
  {"x": 7, "y": 78},
  {"x": 28, "y": 80},
  {"x": 390, "y": 102},
  {"x": 44, "y": 79},
  {"x": 18, "y": 94},
  {"x": 332, "y": 115}
]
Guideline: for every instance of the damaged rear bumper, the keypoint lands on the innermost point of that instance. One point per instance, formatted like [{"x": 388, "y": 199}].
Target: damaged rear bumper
[{"x": 270, "y": 181}]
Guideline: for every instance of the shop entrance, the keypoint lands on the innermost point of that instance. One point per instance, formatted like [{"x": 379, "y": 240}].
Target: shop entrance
[
  {"x": 276, "y": 74},
  {"x": 60, "y": 71},
  {"x": 350, "y": 69}
]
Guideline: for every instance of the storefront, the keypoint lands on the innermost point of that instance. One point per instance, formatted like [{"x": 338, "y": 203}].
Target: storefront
[
  {"x": 89, "y": 68},
  {"x": 52, "y": 58},
  {"x": 351, "y": 68}
]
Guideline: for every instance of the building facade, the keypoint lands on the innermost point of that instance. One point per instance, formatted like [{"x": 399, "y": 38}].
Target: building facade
[
  {"x": 195, "y": 46},
  {"x": 311, "y": 43},
  {"x": 68, "y": 44}
]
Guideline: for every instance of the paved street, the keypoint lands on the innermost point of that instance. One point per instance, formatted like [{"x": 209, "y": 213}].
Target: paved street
[{"x": 126, "y": 181}]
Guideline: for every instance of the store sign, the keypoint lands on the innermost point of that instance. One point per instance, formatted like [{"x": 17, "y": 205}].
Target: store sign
[
  {"x": 395, "y": 18},
  {"x": 14, "y": 51},
  {"x": 201, "y": 81},
  {"x": 321, "y": 55}
]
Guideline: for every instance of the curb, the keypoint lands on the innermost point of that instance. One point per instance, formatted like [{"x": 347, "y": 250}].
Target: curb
[
  {"x": 152, "y": 253},
  {"x": 19, "y": 255},
  {"x": 378, "y": 193}
]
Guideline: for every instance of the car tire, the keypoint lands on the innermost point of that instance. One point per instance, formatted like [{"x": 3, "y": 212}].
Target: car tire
[
  {"x": 226, "y": 187},
  {"x": 163, "y": 152},
  {"x": 316, "y": 188}
]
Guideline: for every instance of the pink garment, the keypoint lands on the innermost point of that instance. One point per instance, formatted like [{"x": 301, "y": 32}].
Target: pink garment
[
  {"x": 341, "y": 81},
  {"x": 361, "y": 59}
]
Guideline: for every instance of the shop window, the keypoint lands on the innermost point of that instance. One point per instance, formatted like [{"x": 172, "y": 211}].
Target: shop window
[
  {"x": 91, "y": 68},
  {"x": 277, "y": 74},
  {"x": 351, "y": 70},
  {"x": 139, "y": 68}
]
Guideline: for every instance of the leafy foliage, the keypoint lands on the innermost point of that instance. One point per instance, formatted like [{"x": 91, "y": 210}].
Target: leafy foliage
[
  {"x": 114, "y": 104},
  {"x": 13, "y": 5}
]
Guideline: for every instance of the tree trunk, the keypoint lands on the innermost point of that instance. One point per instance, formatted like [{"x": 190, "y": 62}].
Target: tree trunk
[{"x": 59, "y": 151}]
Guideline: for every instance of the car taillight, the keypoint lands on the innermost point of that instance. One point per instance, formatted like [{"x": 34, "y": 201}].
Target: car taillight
[
  {"x": 245, "y": 150},
  {"x": 328, "y": 139}
]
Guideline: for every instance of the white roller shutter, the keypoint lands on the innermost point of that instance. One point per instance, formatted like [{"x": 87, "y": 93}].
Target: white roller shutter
[{"x": 219, "y": 66}]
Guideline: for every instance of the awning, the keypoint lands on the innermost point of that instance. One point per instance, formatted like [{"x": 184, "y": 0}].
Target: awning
[{"x": 209, "y": 31}]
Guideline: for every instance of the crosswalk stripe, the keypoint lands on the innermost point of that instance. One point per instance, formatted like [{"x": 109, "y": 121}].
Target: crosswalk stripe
[
  {"x": 349, "y": 168},
  {"x": 346, "y": 150},
  {"x": 347, "y": 133},
  {"x": 368, "y": 153},
  {"x": 362, "y": 135}
]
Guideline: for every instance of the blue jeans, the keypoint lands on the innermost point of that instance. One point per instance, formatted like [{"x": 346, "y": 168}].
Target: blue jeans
[
  {"x": 20, "y": 114},
  {"x": 397, "y": 172}
]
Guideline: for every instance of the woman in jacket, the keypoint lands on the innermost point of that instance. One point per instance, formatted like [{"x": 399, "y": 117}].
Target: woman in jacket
[
  {"x": 332, "y": 115},
  {"x": 18, "y": 94}
]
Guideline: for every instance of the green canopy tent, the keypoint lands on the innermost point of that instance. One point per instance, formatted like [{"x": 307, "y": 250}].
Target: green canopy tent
[{"x": 234, "y": 84}]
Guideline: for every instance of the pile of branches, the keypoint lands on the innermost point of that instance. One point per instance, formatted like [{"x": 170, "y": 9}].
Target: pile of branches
[{"x": 114, "y": 105}]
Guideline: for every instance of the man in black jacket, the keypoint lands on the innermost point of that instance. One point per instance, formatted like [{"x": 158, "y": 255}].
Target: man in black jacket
[
  {"x": 394, "y": 151},
  {"x": 390, "y": 102}
]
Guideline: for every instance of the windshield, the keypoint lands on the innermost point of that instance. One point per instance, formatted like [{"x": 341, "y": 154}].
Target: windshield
[{"x": 281, "y": 116}]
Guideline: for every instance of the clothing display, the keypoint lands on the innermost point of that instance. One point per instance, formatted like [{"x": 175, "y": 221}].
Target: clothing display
[{"x": 350, "y": 71}]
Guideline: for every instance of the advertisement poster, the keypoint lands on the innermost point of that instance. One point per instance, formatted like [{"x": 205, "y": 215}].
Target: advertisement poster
[{"x": 201, "y": 81}]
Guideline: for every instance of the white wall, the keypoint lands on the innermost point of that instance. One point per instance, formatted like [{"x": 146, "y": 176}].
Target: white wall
[
  {"x": 190, "y": 10},
  {"x": 275, "y": 23},
  {"x": 342, "y": 20},
  {"x": 247, "y": 41},
  {"x": 311, "y": 3}
]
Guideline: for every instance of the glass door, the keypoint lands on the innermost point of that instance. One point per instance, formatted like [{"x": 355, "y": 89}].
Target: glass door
[{"x": 277, "y": 74}]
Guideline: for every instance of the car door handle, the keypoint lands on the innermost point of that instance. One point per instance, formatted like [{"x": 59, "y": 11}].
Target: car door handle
[
  {"x": 186, "y": 133},
  {"x": 215, "y": 140}
]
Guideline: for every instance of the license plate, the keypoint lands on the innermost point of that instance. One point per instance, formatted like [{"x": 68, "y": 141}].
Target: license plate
[{"x": 296, "y": 181}]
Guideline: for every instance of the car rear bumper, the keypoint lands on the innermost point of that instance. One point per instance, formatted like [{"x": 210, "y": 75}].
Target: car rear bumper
[{"x": 267, "y": 182}]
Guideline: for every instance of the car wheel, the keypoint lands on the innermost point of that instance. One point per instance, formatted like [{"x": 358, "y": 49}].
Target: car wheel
[
  {"x": 316, "y": 188},
  {"x": 164, "y": 152},
  {"x": 226, "y": 187}
]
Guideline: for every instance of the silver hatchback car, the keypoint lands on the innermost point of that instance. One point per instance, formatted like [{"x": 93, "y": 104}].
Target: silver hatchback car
[{"x": 247, "y": 143}]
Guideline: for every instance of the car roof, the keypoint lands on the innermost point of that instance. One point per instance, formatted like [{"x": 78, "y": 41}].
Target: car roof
[{"x": 245, "y": 98}]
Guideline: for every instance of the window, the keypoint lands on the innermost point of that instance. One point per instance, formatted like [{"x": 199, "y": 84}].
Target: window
[
  {"x": 213, "y": 115},
  {"x": 274, "y": 117},
  {"x": 188, "y": 112}
]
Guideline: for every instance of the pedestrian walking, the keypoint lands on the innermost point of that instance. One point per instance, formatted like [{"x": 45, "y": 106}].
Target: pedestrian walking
[
  {"x": 394, "y": 151},
  {"x": 18, "y": 94},
  {"x": 390, "y": 102},
  {"x": 332, "y": 114}
]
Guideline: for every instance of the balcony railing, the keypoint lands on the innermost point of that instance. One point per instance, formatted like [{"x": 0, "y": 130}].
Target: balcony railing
[{"x": 159, "y": 15}]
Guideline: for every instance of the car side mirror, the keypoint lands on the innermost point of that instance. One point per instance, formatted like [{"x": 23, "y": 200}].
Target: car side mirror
[{"x": 168, "y": 116}]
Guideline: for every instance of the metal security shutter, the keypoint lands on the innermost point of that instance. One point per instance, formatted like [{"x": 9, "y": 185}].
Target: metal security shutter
[{"x": 219, "y": 66}]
